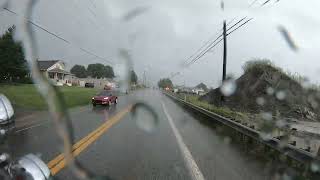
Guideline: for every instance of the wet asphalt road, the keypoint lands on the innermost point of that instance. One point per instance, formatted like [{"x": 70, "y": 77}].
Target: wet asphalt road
[{"x": 140, "y": 147}]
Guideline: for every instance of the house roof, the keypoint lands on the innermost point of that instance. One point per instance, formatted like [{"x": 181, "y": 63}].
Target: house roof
[
  {"x": 57, "y": 70},
  {"x": 201, "y": 86},
  {"x": 44, "y": 65}
]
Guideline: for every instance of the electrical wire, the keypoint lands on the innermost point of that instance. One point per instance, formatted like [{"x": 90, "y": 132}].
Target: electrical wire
[
  {"x": 58, "y": 36},
  {"x": 215, "y": 41},
  {"x": 200, "y": 54},
  {"x": 220, "y": 41}
]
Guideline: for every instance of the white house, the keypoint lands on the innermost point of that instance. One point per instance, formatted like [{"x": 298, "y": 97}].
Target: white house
[
  {"x": 198, "y": 91},
  {"x": 98, "y": 83},
  {"x": 56, "y": 72}
]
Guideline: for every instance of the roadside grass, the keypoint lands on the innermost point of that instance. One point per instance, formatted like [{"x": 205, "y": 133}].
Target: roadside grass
[
  {"x": 223, "y": 111},
  {"x": 27, "y": 96}
]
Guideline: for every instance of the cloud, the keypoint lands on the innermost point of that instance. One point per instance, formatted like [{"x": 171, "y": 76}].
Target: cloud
[{"x": 169, "y": 32}]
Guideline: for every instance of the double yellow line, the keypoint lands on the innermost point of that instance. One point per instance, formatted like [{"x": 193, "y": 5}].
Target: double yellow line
[{"x": 59, "y": 162}]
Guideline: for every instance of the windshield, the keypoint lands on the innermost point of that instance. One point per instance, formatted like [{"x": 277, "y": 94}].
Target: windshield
[
  {"x": 105, "y": 93},
  {"x": 201, "y": 89}
]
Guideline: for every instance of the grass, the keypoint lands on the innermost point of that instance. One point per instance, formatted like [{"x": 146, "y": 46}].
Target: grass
[
  {"x": 223, "y": 111},
  {"x": 27, "y": 96}
]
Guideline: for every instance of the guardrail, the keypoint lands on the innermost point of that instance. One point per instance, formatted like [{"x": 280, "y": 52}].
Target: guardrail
[{"x": 300, "y": 155}]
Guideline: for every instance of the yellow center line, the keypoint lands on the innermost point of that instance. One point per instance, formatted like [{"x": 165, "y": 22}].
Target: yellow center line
[{"x": 58, "y": 163}]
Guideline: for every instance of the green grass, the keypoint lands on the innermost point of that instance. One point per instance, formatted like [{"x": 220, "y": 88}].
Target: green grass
[
  {"x": 27, "y": 96},
  {"x": 223, "y": 111}
]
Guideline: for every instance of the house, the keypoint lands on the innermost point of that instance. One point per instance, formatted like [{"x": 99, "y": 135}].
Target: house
[
  {"x": 200, "y": 89},
  {"x": 56, "y": 72},
  {"x": 98, "y": 83}
]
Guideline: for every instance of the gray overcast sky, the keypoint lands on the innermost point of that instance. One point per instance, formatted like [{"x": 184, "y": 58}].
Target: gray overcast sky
[{"x": 169, "y": 31}]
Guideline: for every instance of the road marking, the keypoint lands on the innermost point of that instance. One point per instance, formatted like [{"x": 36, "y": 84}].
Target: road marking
[
  {"x": 30, "y": 127},
  {"x": 187, "y": 156},
  {"x": 22, "y": 124},
  {"x": 58, "y": 163}
]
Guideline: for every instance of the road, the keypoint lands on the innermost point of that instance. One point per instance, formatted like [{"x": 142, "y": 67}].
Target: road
[{"x": 115, "y": 143}]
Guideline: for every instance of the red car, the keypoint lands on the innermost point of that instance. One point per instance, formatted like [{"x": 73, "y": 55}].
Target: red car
[{"x": 105, "y": 98}]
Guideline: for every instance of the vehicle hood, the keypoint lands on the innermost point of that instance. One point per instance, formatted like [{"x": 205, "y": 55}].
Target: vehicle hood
[{"x": 100, "y": 97}]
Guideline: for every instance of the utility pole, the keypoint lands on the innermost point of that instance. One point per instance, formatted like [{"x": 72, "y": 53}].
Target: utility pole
[
  {"x": 224, "y": 70},
  {"x": 144, "y": 78}
]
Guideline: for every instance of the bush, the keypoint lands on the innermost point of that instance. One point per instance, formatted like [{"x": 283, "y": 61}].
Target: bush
[{"x": 260, "y": 65}]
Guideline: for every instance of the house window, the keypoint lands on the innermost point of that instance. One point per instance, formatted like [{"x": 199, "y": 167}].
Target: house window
[
  {"x": 60, "y": 76},
  {"x": 51, "y": 75}
]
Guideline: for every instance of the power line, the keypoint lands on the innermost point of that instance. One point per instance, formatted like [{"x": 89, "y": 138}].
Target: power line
[
  {"x": 207, "y": 42},
  {"x": 213, "y": 44},
  {"x": 253, "y": 3},
  {"x": 219, "y": 41},
  {"x": 58, "y": 37},
  {"x": 208, "y": 47},
  {"x": 93, "y": 4},
  {"x": 38, "y": 26},
  {"x": 266, "y": 2},
  {"x": 215, "y": 40}
]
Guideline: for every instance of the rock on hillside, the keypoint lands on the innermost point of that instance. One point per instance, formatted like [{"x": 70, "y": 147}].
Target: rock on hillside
[{"x": 266, "y": 88}]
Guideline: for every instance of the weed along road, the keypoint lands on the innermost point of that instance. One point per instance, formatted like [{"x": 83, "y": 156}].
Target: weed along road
[{"x": 117, "y": 143}]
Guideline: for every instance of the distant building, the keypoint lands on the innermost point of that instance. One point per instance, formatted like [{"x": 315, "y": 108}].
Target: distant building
[
  {"x": 98, "y": 83},
  {"x": 55, "y": 71},
  {"x": 198, "y": 91}
]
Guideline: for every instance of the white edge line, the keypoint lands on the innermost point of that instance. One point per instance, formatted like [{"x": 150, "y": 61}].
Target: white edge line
[{"x": 187, "y": 156}]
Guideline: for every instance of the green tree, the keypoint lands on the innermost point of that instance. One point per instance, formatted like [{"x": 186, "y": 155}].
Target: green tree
[
  {"x": 12, "y": 61},
  {"x": 133, "y": 77},
  {"x": 109, "y": 72},
  {"x": 79, "y": 71},
  {"x": 96, "y": 70},
  {"x": 164, "y": 83}
]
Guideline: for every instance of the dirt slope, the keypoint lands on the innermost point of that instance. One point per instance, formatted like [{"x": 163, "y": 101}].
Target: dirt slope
[{"x": 265, "y": 88}]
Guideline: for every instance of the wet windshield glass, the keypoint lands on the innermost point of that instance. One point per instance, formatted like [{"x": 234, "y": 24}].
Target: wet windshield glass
[
  {"x": 105, "y": 93},
  {"x": 201, "y": 89}
]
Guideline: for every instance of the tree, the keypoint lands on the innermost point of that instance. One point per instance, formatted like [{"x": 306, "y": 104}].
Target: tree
[
  {"x": 96, "y": 70},
  {"x": 109, "y": 72},
  {"x": 79, "y": 71},
  {"x": 164, "y": 83},
  {"x": 133, "y": 77},
  {"x": 12, "y": 61}
]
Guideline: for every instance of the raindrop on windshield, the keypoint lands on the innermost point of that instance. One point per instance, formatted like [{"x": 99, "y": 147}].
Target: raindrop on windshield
[
  {"x": 228, "y": 87},
  {"x": 315, "y": 167},
  {"x": 280, "y": 123},
  {"x": 2, "y": 131},
  {"x": 260, "y": 101},
  {"x": 281, "y": 95},
  {"x": 145, "y": 120},
  {"x": 270, "y": 91},
  {"x": 265, "y": 135},
  {"x": 266, "y": 116}
]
